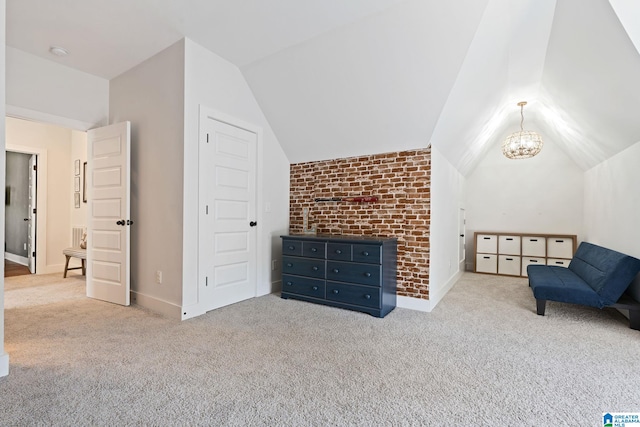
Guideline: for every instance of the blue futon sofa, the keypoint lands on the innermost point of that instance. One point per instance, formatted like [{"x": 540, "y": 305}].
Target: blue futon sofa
[{"x": 596, "y": 277}]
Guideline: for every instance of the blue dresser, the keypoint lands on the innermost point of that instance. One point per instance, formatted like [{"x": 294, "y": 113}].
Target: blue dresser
[{"x": 352, "y": 272}]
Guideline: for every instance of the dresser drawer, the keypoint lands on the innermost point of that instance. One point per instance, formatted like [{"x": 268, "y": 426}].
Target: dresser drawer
[
  {"x": 364, "y": 274},
  {"x": 353, "y": 294},
  {"x": 291, "y": 247},
  {"x": 303, "y": 286},
  {"x": 509, "y": 245},
  {"x": 314, "y": 249},
  {"x": 509, "y": 265},
  {"x": 558, "y": 262},
  {"x": 534, "y": 246},
  {"x": 486, "y": 263},
  {"x": 339, "y": 251},
  {"x": 303, "y": 266},
  {"x": 371, "y": 254},
  {"x": 487, "y": 243},
  {"x": 559, "y": 247},
  {"x": 527, "y": 261}
]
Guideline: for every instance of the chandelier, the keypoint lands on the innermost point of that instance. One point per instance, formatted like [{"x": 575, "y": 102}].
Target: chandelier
[{"x": 522, "y": 144}]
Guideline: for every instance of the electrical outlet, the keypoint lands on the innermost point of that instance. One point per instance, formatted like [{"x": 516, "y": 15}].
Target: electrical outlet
[
  {"x": 158, "y": 277},
  {"x": 274, "y": 265}
]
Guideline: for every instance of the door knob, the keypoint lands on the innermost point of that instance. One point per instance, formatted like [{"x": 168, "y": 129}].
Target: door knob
[
  {"x": 129, "y": 222},
  {"x": 121, "y": 222},
  {"x": 253, "y": 223},
  {"x": 26, "y": 219}
]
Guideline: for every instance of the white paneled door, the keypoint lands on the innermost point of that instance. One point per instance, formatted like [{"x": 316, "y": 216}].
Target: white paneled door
[
  {"x": 31, "y": 237},
  {"x": 227, "y": 218},
  {"x": 109, "y": 223}
]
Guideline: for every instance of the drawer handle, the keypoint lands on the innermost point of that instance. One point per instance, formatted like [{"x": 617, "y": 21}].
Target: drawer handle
[
  {"x": 559, "y": 241},
  {"x": 335, "y": 291},
  {"x": 367, "y": 274},
  {"x": 335, "y": 270},
  {"x": 338, "y": 251},
  {"x": 315, "y": 288},
  {"x": 315, "y": 268},
  {"x": 367, "y": 296},
  {"x": 533, "y": 260},
  {"x": 289, "y": 264},
  {"x": 509, "y": 238},
  {"x": 509, "y": 259},
  {"x": 291, "y": 247},
  {"x": 314, "y": 249},
  {"x": 487, "y": 238},
  {"x": 289, "y": 283},
  {"x": 486, "y": 257},
  {"x": 365, "y": 253},
  {"x": 559, "y": 262},
  {"x": 533, "y": 240}
]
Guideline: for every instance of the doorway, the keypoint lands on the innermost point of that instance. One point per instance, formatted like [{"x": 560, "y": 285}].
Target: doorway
[{"x": 20, "y": 213}]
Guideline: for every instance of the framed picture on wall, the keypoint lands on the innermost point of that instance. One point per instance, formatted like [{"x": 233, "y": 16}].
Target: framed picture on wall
[
  {"x": 76, "y": 200},
  {"x": 84, "y": 182},
  {"x": 76, "y": 167}
]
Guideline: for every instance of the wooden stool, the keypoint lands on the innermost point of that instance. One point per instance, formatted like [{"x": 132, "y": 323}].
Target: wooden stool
[{"x": 75, "y": 253}]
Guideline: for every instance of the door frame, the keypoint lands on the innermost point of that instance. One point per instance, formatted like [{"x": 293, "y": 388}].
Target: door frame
[
  {"x": 41, "y": 202},
  {"x": 206, "y": 113}
]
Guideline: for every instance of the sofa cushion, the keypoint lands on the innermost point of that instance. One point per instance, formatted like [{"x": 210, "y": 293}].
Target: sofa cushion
[
  {"x": 608, "y": 272},
  {"x": 554, "y": 283}
]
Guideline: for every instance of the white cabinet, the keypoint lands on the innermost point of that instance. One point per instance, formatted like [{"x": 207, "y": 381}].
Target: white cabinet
[{"x": 511, "y": 253}]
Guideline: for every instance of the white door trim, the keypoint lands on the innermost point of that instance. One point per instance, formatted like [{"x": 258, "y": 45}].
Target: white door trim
[
  {"x": 41, "y": 202},
  {"x": 210, "y": 113}
]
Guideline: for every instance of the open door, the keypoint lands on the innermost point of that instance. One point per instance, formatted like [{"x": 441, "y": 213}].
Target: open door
[
  {"x": 108, "y": 222},
  {"x": 31, "y": 236}
]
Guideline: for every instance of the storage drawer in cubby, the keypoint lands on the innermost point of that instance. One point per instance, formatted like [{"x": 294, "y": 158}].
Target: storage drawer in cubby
[
  {"x": 486, "y": 263},
  {"x": 303, "y": 286},
  {"x": 509, "y": 265},
  {"x": 559, "y": 247},
  {"x": 509, "y": 245},
  {"x": 371, "y": 254},
  {"x": 526, "y": 261},
  {"x": 558, "y": 262},
  {"x": 339, "y": 251},
  {"x": 534, "y": 246},
  {"x": 364, "y": 274},
  {"x": 353, "y": 294},
  {"x": 313, "y": 249},
  {"x": 303, "y": 266},
  {"x": 291, "y": 247},
  {"x": 487, "y": 243}
]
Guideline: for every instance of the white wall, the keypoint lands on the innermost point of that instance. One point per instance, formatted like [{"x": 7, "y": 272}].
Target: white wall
[
  {"x": 612, "y": 204},
  {"x": 447, "y": 197},
  {"x": 53, "y": 178},
  {"x": 543, "y": 194},
  {"x": 4, "y": 357},
  {"x": 151, "y": 96},
  {"x": 219, "y": 85},
  {"x": 52, "y": 93}
]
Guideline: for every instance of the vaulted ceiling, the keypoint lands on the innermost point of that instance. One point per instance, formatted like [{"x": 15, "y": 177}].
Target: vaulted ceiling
[{"x": 338, "y": 78}]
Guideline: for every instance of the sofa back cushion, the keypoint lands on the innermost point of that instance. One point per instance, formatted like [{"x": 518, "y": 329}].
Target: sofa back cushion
[{"x": 608, "y": 272}]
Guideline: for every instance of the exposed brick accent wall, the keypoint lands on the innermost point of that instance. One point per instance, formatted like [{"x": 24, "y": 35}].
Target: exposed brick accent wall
[{"x": 402, "y": 183}]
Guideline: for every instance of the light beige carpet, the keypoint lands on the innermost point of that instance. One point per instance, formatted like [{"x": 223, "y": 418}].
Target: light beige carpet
[{"x": 482, "y": 357}]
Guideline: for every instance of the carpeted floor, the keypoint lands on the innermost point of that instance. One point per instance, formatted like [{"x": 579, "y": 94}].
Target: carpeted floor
[{"x": 482, "y": 357}]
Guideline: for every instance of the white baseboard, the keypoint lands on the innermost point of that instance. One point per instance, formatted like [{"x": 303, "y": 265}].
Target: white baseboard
[
  {"x": 413, "y": 303},
  {"x": 437, "y": 297},
  {"x": 159, "y": 306},
  {"x": 16, "y": 258},
  {"x": 4, "y": 365}
]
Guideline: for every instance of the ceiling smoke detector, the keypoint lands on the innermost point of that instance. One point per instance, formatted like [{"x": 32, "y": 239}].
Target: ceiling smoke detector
[{"x": 58, "y": 51}]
